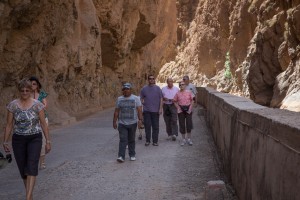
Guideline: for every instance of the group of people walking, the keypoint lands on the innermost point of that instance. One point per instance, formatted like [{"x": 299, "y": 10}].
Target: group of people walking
[
  {"x": 176, "y": 104},
  {"x": 27, "y": 120}
]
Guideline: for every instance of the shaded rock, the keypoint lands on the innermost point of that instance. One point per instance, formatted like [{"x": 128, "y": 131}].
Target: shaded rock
[{"x": 82, "y": 50}]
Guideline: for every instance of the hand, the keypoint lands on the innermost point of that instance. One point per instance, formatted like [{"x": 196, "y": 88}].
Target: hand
[
  {"x": 115, "y": 125},
  {"x": 179, "y": 110},
  {"x": 140, "y": 124},
  {"x": 160, "y": 111},
  {"x": 6, "y": 147},
  {"x": 48, "y": 147}
]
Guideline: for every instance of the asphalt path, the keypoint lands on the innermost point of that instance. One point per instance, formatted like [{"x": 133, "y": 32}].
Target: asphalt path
[{"x": 82, "y": 165}]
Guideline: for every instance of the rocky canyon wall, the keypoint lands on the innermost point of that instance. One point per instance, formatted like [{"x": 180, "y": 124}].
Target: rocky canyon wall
[
  {"x": 250, "y": 48},
  {"x": 82, "y": 50}
]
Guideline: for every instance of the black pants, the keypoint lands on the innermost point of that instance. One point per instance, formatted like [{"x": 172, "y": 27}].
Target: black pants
[
  {"x": 185, "y": 122},
  {"x": 170, "y": 119},
  {"x": 151, "y": 122},
  {"x": 27, "y": 151}
]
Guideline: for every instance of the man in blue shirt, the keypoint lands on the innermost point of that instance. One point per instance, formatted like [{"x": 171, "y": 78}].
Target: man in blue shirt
[{"x": 128, "y": 113}]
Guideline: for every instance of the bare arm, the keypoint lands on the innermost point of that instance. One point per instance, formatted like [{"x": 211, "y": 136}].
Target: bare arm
[
  {"x": 8, "y": 129},
  {"x": 142, "y": 100},
  {"x": 140, "y": 113},
  {"x": 161, "y": 105},
  {"x": 140, "y": 116},
  {"x": 45, "y": 130},
  {"x": 116, "y": 116},
  {"x": 44, "y": 101}
]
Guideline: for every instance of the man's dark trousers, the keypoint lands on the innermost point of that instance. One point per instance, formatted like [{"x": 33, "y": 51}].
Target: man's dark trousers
[
  {"x": 170, "y": 118},
  {"x": 127, "y": 137},
  {"x": 151, "y": 121}
]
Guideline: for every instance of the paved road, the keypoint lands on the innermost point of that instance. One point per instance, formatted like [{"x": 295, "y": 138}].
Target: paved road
[{"x": 82, "y": 165}]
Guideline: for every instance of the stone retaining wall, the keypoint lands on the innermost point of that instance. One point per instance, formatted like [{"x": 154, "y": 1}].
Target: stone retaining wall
[{"x": 260, "y": 146}]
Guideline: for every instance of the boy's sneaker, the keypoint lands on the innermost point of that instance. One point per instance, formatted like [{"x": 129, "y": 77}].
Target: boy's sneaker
[
  {"x": 120, "y": 159},
  {"x": 183, "y": 142},
  {"x": 190, "y": 142},
  {"x": 132, "y": 158},
  {"x": 155, "y": 144},
  {"x": 173, "y": 137}
]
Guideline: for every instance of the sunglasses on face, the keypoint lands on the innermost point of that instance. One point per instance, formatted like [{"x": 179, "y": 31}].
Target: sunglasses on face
[
  {"x": 24, "y": 91},
  {"x": 151, "y": 78},
  {"x": 181, "y": 84},
  {"x": 125, "y": 89}
]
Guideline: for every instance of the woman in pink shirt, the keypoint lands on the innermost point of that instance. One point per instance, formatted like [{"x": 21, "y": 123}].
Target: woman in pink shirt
[{"x": 184, "y": 103}]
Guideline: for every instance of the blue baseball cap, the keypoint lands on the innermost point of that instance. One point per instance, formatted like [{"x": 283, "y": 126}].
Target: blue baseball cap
[{"x": 126, "y": 85}]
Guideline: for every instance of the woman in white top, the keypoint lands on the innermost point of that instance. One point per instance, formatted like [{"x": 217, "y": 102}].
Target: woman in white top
[{"x": 26, "y": 120}]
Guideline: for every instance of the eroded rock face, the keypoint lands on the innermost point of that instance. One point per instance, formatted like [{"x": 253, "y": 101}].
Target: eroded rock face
[
  {"x": 82, "y": 50},
  {"x": 262, "y": 41}
]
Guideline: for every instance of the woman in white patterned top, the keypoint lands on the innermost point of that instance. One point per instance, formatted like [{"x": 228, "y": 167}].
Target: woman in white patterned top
[{"x": 26, "y": 119}]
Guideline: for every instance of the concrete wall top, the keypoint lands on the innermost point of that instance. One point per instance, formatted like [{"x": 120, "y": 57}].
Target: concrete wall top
[{"x": 282, "y": 125}]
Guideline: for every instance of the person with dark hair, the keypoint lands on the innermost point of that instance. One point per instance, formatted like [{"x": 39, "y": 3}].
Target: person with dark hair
[
  {"x": 26, "y": 120},
  {"x": 127, "y": 115},
  {"x": 152, "y": 100},
  {"x": 40, "y": 95}
]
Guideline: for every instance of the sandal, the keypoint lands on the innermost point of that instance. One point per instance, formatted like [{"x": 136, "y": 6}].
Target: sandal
[{"x": 43, "y": 166}]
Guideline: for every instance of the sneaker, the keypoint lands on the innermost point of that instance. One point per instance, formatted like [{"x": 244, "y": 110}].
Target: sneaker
[
  {"x": 190, "y": 142},
  {"x": 155, "y": 144},
  {"x": 120, "y": 159},
  {"x": 183, "y": 142},
  {"x": 147, "y": 143},
  {"x": 169, "y": 137},
  {"x": 132, "y": 158},
  {"x": 173, "y": 137}
]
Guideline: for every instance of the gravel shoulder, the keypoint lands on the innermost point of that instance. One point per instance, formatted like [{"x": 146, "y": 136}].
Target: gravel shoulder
[{"x": 82, "y": 165}]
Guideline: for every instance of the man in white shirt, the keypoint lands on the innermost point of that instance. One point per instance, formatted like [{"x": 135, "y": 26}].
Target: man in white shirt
[{"x": 169, "y": 109}]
